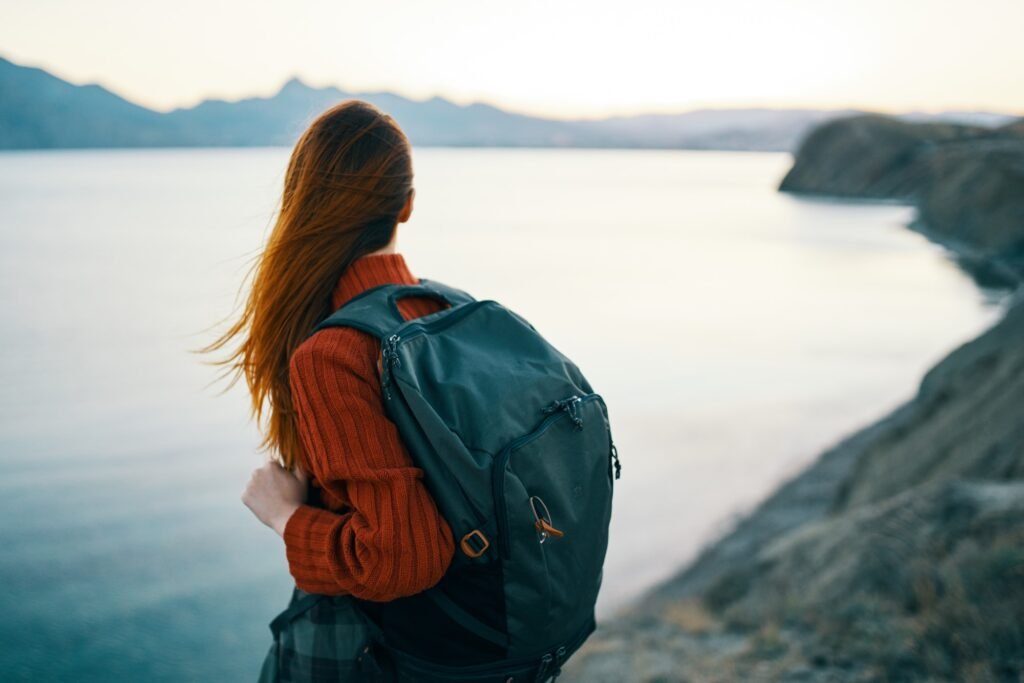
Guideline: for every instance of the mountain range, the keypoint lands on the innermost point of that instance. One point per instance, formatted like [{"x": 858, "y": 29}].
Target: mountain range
[{"x": 40, "y": 111}]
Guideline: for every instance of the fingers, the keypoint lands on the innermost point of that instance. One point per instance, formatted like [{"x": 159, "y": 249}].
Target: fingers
[
  {"x": 272, "y": 479},
  {"x": 247, "y": 492}
]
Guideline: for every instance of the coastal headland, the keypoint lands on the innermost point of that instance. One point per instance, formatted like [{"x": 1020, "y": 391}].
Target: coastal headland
[{"x": 898, "y": 555}]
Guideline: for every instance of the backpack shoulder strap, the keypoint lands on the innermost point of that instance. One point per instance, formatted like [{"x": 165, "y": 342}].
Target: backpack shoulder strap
[{"x": 376, "y": 310}]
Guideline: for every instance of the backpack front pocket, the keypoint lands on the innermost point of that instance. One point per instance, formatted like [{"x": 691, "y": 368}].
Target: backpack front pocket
[{"x": 553, "y": 499}]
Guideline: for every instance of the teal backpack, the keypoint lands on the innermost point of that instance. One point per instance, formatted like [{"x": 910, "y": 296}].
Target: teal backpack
[{"x": 517, "y": 453}]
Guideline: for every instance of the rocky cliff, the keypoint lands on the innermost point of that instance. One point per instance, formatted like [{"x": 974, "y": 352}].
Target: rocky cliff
[
  {"x": 966, "y": 181},
  {"x": 899, "y": 554}
]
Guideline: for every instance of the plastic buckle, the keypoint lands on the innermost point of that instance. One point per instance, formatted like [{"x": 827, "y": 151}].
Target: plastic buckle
[{"x": 468, "y": 549}]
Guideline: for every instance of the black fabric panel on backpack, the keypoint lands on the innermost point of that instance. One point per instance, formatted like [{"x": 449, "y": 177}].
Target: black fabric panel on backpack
[{"x": 415, "y": 624}]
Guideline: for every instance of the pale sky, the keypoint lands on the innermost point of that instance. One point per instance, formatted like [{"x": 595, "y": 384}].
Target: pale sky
[{"x": 558, "y": 58}]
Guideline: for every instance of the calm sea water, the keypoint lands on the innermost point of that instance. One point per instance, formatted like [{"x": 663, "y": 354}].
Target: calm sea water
[{"x": 734, "y": 331}]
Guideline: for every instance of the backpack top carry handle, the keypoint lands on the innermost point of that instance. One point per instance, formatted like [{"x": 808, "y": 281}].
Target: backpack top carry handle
[{"x": 375, "y": 310}]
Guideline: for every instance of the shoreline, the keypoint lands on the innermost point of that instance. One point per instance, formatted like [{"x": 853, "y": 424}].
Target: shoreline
[
  {"x": 685, "y": 580},
  {"x": 990, "y": 272},
  {"x": 681, "y": 629},
  {"x": 894, "y": 555}
]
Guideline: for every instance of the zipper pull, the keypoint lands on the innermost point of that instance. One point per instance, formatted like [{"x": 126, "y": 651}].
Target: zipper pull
[
  {"x": 542, "y": 670},
  {"x": 389, "y": 357},
  {"x": 615, "y": 459},
  {"x": 559, "y": 660},
  {"x": 569, "y": 405},
  {"x": 542, "y": 521},
  {"x": 546, "y": 530}
]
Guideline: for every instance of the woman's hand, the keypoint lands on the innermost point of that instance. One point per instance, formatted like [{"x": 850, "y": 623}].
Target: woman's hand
[{"x": 274, "y": 493}]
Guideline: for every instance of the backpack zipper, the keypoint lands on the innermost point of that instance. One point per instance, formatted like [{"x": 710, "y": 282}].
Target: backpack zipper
[
  {"x": 388, "y": 360},
  {"x": 498, "y": 482},
  {"x": 615, "y": 460},
  {"x": 413, "y": 328}
]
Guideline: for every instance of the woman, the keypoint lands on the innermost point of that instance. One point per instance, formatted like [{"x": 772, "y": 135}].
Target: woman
[{"x": 369, "y": 530}]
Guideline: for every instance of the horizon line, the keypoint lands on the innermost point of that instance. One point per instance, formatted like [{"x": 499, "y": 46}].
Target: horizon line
[{"x": 655, "y": 111}]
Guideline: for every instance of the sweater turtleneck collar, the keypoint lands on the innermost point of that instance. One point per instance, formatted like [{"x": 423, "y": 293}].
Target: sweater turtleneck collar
[{"x": 370, "y": 271}]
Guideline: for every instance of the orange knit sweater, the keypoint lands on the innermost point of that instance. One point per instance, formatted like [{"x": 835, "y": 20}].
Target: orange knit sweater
[{"x": 379, "y": 535}]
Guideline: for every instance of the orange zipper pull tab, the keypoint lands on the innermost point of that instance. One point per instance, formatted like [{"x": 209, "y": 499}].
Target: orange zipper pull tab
[{"x": 543, "y": 527}]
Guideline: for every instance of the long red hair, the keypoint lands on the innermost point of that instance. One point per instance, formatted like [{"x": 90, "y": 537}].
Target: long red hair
[{"x": 348, "y": 179}]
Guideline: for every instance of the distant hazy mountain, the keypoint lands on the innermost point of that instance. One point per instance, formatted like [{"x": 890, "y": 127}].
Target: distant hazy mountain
[{"x": 39, "y": 110}]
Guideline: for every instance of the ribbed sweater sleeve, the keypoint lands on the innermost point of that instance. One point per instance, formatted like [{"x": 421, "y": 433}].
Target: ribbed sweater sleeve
[{"x": 383, "y": 537}]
